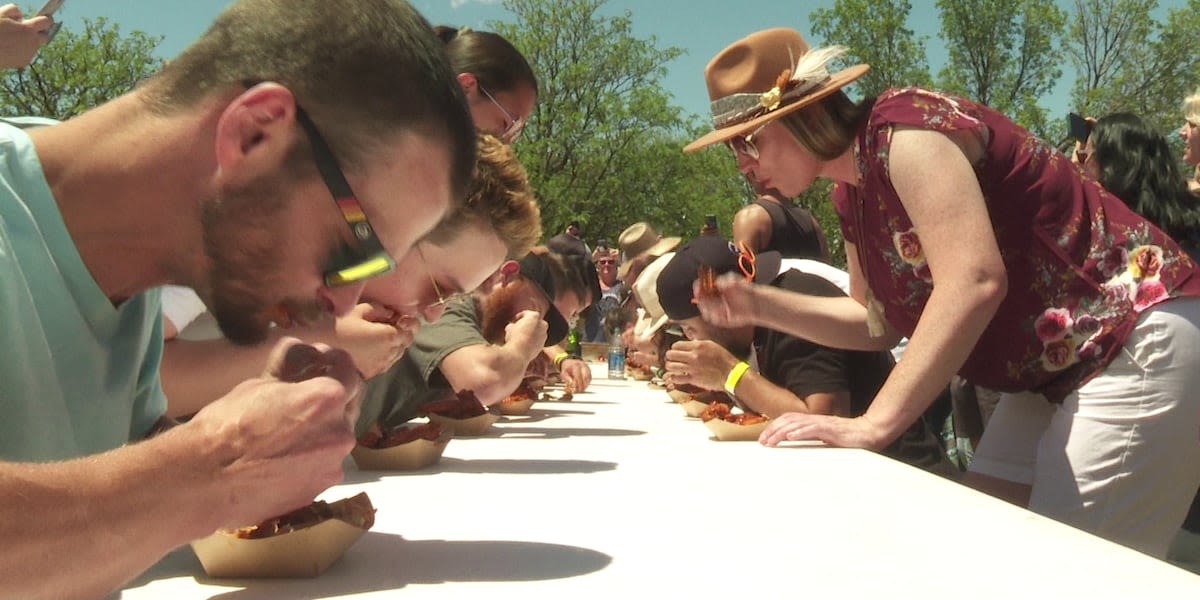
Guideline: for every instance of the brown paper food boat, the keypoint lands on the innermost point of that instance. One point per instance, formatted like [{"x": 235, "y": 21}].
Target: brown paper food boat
[
  {"x": 732, "y": 432},
  {"x": 409, "y": 456},
  {"x": 693, "y": 408},
  {"x": 302, "y": 552},
  {"x": 679, "y": 396},
  {"x": 469, "y": 427},
  {"x": 515, "y": 407}
]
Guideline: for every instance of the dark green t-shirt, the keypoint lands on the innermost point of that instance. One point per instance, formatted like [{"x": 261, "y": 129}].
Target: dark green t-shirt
[{"x": 394, "y": 395}]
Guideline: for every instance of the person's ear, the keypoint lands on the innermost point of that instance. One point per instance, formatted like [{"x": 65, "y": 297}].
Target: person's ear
[
  {"x": 254, "y": 132},
  {"x": 469, "y": 83},
  {"x": 509, "y": 271}
]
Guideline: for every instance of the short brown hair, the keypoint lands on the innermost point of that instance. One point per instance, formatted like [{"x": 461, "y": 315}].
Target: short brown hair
[
  {"x": 365, "y": 72},
  {"x": 500, "y": 195}
]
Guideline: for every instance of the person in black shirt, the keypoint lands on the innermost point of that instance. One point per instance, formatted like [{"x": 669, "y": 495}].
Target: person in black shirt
[
  {"x": 774, "y": 222},
  {"x": 786, "y": 373}
]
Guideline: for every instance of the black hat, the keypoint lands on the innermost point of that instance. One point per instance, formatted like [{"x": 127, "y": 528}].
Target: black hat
[
  {"x": 534, "y": 268},
  {"x": 675, "y": 281}
]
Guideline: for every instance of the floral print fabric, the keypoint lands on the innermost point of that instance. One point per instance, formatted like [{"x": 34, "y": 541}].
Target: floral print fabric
[{"x": 1081, "y": 266}]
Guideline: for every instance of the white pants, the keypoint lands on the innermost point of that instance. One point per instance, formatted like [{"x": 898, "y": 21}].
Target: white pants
[{"x": 1120, "y": 457}]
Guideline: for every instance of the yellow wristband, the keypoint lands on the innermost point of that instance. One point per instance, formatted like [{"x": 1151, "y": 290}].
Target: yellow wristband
[
  {"x": 559, "y": 358},
  {"x": 735, "y": 375}
]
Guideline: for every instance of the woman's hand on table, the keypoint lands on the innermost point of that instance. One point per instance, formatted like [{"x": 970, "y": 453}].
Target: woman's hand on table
[{"x": 857, "y": 432}]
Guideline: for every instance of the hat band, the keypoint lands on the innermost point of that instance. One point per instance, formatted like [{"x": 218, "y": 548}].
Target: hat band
[
  {"x": 809, "y": 71},
  {"x": 739, "y": 108}
]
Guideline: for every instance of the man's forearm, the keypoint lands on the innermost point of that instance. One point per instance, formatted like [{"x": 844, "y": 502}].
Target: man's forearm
[
  {"x": 81, "y": 528},
  {"x": 491, "y": 371},
  {"x": 197, "y": 372}
]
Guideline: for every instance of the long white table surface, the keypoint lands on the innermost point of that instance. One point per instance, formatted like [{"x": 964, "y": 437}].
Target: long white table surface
[{"x": 618, "y": 492}]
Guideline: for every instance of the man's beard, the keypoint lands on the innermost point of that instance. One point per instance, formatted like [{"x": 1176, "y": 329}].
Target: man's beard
[
  {"x": 497, "y": 310},
  {"x": 246, "y": 250}
]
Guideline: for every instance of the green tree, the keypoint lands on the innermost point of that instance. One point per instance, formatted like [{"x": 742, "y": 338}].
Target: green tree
[
  {"x": 604, "y": 144},
  {"x": 1127, "y": 61},
  {"x": 77, "y": 71},
  {"x": 1003, "y": 54},
  {"x": 875, "y": 32}
]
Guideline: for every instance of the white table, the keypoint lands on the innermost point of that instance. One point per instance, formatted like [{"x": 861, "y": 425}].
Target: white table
[{"x": 617, "y": 493}]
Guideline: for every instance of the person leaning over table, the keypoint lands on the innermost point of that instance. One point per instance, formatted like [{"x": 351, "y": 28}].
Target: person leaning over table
[
  {"x": 500, "y": 85},
  {"x": 773, "y": 222},
  {"x": 644, "y": 339},
  {"x": 1136, "y": 164},
  {"x": 1001, "y": 262},
  {"x": 573, "y": 369},
  {"x": 770, "y": 372},
  {"x": 495, "y": 77},
  {"x": 483, "y": 343},
  {"x": 498, "y": 216},
  {"x": 215, "y": 173}
]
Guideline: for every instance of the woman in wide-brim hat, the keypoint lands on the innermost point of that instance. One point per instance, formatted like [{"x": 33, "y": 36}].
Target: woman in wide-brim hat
[{"x": 999, "y": 261}]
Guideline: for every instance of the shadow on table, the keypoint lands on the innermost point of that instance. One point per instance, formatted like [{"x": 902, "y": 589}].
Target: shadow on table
[
  {"x": 353, "y": 475},
  {"x": 382, "y": 561},
  {"x": 523, "y": 466},
  {"x": 577, "y": 401},
  {"x": 536, "y": 414},
  {"x": 554, "y": 434}
]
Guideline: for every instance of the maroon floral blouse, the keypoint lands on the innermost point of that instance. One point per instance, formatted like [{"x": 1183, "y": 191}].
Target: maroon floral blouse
[{"x": 1081, "y": 266}]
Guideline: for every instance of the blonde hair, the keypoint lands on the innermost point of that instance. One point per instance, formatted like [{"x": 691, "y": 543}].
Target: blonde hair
[
  {"x": 1191, "y": 107},
  {"x": 499, "y": 196}
]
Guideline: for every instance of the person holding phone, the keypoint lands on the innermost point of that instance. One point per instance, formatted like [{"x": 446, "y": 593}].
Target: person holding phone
[
  {"x": 1000, "y": 262},
  {"x": 20, "y": 38}
]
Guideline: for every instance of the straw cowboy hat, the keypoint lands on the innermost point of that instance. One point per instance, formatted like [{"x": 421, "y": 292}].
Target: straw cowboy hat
[
  {"x": 640, "y": 239},
  {"x": 645, "y": 289},
  {"x": 764, "y": 76}
]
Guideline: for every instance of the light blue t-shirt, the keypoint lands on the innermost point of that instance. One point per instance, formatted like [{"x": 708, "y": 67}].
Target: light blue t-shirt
[{"x": 77, "y": 375}]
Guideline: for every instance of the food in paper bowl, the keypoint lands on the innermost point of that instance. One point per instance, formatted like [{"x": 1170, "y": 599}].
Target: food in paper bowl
[
  {"x": 729, "y": 426},
  {"x": 518, "y": 402},
  {"x": 462, "y": 413},
  {"x": 639, "y": 372},
  {"x": 301, "y": 543},
  {"x": 700, "y": 402},
  {"x": 682, "y": 392},
  {"x": 567, "y": 395},
  {"x": 405, "y": 448}
]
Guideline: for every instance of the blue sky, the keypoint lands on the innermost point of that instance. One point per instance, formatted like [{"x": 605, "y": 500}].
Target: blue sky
[{"x": 700, "y": 27}]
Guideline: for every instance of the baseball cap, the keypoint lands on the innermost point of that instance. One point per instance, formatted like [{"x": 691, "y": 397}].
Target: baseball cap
[
  {"x": 534, "y": 268},
  {"x": 675, "y": 281}
]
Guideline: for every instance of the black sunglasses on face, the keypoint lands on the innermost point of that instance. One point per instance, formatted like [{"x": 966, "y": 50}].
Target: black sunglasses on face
[{"x": 366, "y": 259}]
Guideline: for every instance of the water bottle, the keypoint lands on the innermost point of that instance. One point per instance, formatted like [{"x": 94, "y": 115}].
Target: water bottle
[{"x": 616, "y": 356}]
